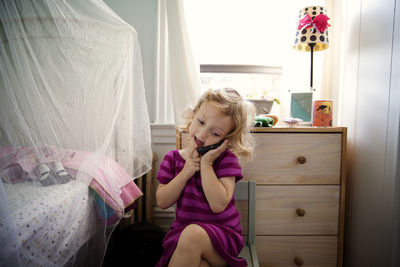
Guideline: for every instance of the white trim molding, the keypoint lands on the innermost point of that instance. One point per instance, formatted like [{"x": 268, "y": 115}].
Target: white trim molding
[
  {"x": 163, "y": 134},
  {"x": 163, "y": 140}
]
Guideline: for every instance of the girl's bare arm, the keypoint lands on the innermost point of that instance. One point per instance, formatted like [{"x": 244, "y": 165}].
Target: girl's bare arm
[
  {"x": 168, "y": 194},
  {"x": 218, "y": 191}
]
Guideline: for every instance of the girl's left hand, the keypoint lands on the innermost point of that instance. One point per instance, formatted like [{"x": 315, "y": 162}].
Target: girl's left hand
[{"x": 209, "y": 157}]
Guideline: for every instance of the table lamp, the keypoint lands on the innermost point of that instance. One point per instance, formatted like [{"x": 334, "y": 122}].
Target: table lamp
[{"x": 312, "y": 33}]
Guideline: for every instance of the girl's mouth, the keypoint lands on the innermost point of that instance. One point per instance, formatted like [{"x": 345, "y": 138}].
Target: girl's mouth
[{"x": 198, "y": 142}]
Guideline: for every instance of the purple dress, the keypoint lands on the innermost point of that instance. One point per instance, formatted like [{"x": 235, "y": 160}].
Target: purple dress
[{"x": 223, "y": 228}]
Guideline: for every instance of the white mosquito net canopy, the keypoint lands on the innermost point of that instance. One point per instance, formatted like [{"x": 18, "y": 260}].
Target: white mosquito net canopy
[{"x": 74, "y": 130}]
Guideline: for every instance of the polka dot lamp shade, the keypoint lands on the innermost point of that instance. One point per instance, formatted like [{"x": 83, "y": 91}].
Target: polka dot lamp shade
[{"x": 312, "y": 29}]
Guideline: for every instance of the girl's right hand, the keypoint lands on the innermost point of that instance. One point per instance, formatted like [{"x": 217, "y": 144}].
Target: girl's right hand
[{"x": 192, "y": 163}]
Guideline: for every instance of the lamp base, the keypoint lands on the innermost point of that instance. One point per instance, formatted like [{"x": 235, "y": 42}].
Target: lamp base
[{"x": 311, "y": 45}]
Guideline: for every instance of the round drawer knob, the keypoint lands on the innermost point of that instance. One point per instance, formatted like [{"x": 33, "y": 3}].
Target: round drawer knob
[
  {"x": 300, "y": 212},
  {"x": 301, "y": 160},
  {"x": 298, "y": 261}
]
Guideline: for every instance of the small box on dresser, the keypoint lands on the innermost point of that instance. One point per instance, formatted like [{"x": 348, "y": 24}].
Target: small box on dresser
[{"x": 300, "y": 194}]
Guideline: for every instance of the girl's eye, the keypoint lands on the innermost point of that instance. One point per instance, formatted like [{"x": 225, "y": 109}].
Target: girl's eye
[
  {"x": 217, "y": 134},
  {"x": 201, "y": 122}
]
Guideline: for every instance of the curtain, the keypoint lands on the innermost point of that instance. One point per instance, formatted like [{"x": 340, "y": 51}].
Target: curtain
[{"x": 178, "y": 82}]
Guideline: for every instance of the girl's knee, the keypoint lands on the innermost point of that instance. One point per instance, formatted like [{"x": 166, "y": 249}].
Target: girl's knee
[
  {"x": 193, "y": 235},
  {"x": 194, "y": 241}
]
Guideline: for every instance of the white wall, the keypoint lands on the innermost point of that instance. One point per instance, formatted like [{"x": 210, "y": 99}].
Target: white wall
[
  {"x": 370, "y": 109},
  {"x": 142, "y": 15}
]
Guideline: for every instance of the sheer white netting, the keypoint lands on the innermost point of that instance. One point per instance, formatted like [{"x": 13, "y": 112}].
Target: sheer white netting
[{"x": 74, "y": 130}]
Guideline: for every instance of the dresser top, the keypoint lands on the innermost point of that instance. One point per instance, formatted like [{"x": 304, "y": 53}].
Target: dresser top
[
  {"x": 298, "y": 130},
  {"x": 292, "y": 130}
]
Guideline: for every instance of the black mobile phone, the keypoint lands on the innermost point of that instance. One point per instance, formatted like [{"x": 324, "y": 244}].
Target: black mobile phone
[{"x": 203, "y": 150}]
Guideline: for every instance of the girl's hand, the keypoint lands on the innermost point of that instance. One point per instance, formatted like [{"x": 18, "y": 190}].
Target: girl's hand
[
  {"x": 209, "y": 157},
  {"x": 192, "y": 163}
]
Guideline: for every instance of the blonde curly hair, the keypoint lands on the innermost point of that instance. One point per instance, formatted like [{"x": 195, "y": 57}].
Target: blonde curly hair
[{"x": 232, "y": 104}]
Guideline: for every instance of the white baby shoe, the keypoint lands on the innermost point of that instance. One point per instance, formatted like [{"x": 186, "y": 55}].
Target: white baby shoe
[
  {"x": 63, "y": 176},
  {"x": 47, "y": 177}
]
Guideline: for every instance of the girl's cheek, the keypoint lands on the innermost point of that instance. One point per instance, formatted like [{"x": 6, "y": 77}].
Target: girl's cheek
[
  {"x": 191, "y": 134},
  {"x": 192, "y": 130}
]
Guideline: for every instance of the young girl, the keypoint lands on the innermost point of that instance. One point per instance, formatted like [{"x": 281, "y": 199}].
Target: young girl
[{"x": 206, "y": 231}]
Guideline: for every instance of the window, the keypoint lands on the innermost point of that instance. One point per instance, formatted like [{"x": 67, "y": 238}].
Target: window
[
  {"x": 245, "y": 44},
  {"x": 250, "y": 80}
]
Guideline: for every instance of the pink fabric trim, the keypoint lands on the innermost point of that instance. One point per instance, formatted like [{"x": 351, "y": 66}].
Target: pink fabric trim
[
  {"x": 130, "y": 193},
  {"x": 106, "y": 197},
  {"x": 108, "y": 177}
]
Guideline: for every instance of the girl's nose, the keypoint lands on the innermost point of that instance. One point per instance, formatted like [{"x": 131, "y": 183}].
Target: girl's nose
[{"x": 202, "y": 135}]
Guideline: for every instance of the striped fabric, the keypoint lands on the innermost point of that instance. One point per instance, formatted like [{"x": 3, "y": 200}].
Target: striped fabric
[{"x": 223, "y": 228}]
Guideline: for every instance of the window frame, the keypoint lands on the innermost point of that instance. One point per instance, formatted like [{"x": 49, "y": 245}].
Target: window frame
[{"x": 232, "y": 68}]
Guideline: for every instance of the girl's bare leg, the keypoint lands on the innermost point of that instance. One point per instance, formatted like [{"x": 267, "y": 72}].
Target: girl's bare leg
[
  {"x": 204, "y": 263},
  {"x": 194, "y": 248}
]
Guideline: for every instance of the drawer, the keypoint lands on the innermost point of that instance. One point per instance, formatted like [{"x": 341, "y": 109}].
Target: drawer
[
  {"x": 281, "y": 251},
  {"x": 277, "y": 155},
  {"x": 277, "y": 210}
]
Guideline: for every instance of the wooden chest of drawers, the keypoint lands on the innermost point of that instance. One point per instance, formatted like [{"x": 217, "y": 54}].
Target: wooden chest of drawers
[{"x": 300, "y": 175}]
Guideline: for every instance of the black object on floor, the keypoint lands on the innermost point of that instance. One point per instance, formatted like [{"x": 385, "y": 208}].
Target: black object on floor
[{"x": 136, "y": 245}]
